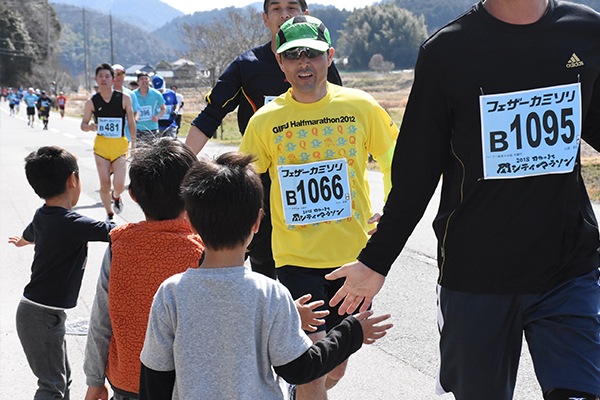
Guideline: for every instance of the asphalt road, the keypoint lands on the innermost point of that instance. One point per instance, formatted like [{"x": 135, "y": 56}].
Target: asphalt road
[{"x": 403, "y": 365}]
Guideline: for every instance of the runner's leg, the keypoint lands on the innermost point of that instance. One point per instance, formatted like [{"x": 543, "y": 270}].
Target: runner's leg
[
  {"x": 103, "y": 166},
  {"x": 119, "y": 169}
]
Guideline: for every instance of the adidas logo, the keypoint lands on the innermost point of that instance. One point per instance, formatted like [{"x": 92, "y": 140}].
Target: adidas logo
[{"x": 574, "y": 62}]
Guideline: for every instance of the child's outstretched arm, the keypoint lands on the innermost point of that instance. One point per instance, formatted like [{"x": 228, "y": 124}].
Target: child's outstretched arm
[
  {"x": 18, "y": 241},
  {"x": 372, "y": 332},
  {"x": 341, "y": 342},
  {"x": 310, "y": 318}
]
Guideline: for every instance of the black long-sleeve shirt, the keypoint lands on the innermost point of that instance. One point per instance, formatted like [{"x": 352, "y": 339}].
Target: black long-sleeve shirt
[
  {"x": 513, "y": 235},
  {"x": 61, "y": 241}
]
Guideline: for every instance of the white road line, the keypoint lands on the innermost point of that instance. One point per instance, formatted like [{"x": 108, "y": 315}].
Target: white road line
[
  {"x": 88, "y": 142},
  {"x": 70, "y": 136}
]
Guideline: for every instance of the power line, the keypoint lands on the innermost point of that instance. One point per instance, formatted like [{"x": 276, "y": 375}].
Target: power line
[
  {"x": 21, "y": 41},
  {"x": 2, "y": 52}
]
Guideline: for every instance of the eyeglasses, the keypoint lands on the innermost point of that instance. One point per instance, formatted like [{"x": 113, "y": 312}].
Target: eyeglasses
[
  {"x": 120, "y": 73},
  {"x": 296, "y": 53}
]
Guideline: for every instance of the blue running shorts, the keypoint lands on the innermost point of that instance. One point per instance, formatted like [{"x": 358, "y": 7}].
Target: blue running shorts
[{"x": 481, "y": 338}]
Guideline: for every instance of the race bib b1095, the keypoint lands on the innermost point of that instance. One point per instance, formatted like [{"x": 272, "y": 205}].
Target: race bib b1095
[{"x": 532, "y": 132}]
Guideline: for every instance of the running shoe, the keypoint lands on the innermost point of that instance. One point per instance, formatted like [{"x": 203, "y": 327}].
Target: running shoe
[
  {"x": 117, "y": 202},
  {"x": 109, "y": 217}
]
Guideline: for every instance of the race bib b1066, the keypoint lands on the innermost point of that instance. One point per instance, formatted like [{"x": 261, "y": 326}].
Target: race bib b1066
[{"x": 315, "y": 192}]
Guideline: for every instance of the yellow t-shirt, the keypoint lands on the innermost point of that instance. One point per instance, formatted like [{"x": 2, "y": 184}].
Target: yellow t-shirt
[{"x": 346, "y": 125}]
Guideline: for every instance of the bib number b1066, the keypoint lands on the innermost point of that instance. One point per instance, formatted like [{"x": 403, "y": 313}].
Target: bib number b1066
[{"x": 315, "y": 192}]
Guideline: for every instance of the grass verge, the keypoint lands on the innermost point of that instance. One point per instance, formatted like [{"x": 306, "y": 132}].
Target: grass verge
[{"x": 590, "y": 170}]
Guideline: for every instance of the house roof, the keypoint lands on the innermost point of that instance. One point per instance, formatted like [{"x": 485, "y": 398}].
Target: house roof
[
  {"x": 184, "y": 62},
  {"x": 139, "y": 67},
  {"x": 165, "y": 73}
]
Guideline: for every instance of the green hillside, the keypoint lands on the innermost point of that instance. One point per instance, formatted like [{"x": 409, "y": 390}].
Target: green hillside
[{"x": 130, "y": 44}]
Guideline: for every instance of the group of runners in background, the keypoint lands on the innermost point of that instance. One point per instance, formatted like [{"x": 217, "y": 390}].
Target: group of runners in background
[{"x": 35, "y": 100}]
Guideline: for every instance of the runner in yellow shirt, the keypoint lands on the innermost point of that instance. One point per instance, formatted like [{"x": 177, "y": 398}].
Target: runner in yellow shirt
[{"x": 315, "y": 140}]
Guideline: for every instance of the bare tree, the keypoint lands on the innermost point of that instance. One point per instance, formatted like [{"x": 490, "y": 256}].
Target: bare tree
[{"x": 215, "y": 45}]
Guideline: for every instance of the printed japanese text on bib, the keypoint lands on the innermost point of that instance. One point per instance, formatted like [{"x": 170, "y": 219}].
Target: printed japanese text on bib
[
  {"x": 529, "y": 133},
  {"x": 315, "y": 192},
  {"x": 110, "y": 127},
  {"x": 145, "y": 113}
]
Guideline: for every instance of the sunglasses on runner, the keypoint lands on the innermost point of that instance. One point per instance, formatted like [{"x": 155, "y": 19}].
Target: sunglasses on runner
[
  {"x": 296, "y": 53},
  {"x": 120, "y": 74}
]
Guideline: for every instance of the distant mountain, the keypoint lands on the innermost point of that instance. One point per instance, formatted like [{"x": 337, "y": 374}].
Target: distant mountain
[
  {"x": 147, "y": 15},
  {"x": 160, "y": 34},
  {"x": 172, "y": 31},
  {"x": 131, "y": 45},
  {"x": 332, "y": 17}
]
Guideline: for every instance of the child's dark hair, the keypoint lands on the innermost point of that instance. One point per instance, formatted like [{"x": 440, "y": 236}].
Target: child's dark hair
[
  {"x": 106, "y": 66},
  {"x": 301, "y": 3},
  {"x": 223, "y": 197},
  {"x": 48, "y": 169},
  {"x": 156, "y": 172}
]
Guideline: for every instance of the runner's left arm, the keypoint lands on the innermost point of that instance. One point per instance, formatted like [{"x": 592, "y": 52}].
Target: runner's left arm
[
  {"x": 385, "y": 165},
  {"x": 127, "y": 105},
  {"x": 163, "y": 110}
]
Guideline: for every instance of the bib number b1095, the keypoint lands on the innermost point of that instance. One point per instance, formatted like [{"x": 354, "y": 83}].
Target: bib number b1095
[{"x": 529, "y": 133}]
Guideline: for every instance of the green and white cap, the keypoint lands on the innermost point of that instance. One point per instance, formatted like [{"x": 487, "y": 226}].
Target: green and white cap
[{"x": 303, "y": 31}]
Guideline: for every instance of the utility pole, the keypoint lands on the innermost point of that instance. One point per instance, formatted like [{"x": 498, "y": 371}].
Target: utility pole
[
  {"x": 48, "y": 30},
  {"x": 112, "y": 52},
  {"x": 85, "y": 54}
]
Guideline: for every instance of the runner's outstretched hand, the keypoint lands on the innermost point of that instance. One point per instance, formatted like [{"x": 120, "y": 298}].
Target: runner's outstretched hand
[{"x": 361, "y": 285}]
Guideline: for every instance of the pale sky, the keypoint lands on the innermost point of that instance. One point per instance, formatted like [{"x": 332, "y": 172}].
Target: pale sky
[{"x": 189, "y": 7}]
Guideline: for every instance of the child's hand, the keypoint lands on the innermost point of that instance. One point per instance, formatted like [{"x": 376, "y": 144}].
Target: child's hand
[
  {"x": 310, "y": 319},
  {"x": 372, "y": 332},
  {"x": 18, "y": 241},
  {"x": 97, "y": 393}
]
